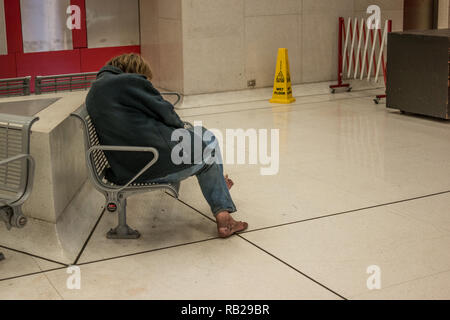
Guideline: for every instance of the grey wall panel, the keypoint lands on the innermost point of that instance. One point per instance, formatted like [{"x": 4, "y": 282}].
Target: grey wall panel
[
  {"x": 3, "y": 44},
  {"x": 112, "y": 23},
  {"x": 44, "y": 25},
  {"x": 417, "y": 80}
]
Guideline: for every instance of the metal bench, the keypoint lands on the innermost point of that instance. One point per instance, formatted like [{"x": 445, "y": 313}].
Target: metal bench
[
  {"x": 15, "y": 86},
  {"x": 64, "y": 82},
  {"x": 16, "y": 168},
  {"x": 115, "y": 195}
]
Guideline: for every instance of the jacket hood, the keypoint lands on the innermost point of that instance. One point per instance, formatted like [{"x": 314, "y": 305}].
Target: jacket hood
[
  {"x": 115, "y": 70},
  {"x": 108, "y": 69}
]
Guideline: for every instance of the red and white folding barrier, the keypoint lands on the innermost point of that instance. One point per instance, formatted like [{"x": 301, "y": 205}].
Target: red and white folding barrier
[{"x": 362, "y": 52}]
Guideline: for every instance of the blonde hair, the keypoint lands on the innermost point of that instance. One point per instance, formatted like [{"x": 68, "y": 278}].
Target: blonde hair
[{"x": 131, "y": 63}]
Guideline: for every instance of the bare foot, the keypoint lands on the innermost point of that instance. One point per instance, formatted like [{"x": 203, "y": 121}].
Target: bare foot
[
  {"x": 229, "y": 182},
  {"x": 227, "y": 226}
]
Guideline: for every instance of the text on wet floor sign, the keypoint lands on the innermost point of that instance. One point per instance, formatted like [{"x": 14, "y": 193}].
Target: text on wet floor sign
[{"x": 282, "y": 88}]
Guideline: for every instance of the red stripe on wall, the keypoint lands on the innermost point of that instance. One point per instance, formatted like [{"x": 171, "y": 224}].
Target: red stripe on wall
[
  {"x": 94, "y": 59},
  {"x": 47, "y": 63},
  {"x": 8, "y": 66},
  {"x": 13, "y": 26},
  {"x": 79, "y": 37}
]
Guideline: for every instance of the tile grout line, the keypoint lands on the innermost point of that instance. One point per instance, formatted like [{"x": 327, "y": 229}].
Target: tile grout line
[
  {"x": 268, "y": 107},
  {"x": 272, "y": 255},
  {"x": 349, "y": 211},
  {"x": 32, "y": 274},
  {"x": 240, "y": 235},
  {"x": 353, "y": 297},
  {"x": 96, "y": 261},
  {"x": 54, "y": 261},
  {"x": 205, "y": 240},
  {"x": 34, "y": 256},
  {"x": 51, "y": 283},
  {"x": 89, "y": 237},
  {"x": 48, "y": 279},
  {"x": 292, "y": 267},
  {"x": 196, "y": 210},
  {"x": 113, "y": 258},
  {"x": 42, "y": 258},
  {"x": 148, "y": 251},
  {"x": 266, "y": 99}
]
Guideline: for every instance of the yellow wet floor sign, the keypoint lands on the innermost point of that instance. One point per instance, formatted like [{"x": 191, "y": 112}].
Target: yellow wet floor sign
[{"x": 282, "y": 88}]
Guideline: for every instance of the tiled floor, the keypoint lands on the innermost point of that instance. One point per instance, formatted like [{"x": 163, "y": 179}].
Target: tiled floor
[{"x": 358, "y": 185}]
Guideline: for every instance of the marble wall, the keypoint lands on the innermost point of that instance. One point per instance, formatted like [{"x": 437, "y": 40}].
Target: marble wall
[
  {"x": 161, "y": 41},
  {"x": 225, "y": 43},
  {"x": 443, "y": 14}
]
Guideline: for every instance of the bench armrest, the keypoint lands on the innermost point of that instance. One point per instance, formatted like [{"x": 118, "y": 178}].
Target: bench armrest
[
  {"x": 23, "y": 193},
  {"x": 188, "y": 125},
  {"x": 126, "y": 149},
  {"x": 15, "y": 158},
  {"x": 172, "y": 94}
]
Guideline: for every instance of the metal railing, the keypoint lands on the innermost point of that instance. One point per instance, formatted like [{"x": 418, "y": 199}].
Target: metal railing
[
  {"x": 66, "y": 82},
  {"x": 15, "y": 86}
]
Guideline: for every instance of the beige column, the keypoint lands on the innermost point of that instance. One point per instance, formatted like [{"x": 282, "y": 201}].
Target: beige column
[{"x": 161, "y": 42}]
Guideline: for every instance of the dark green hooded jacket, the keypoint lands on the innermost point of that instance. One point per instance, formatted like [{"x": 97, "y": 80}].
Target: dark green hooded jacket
[{"x": 127, "y": 110}]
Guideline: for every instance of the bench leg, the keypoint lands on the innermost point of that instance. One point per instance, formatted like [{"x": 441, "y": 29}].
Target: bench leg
[
  {"x": 13, "y": 217},
  {"x": 122, "y": 231},
  {"x": 2, "y": 257}
]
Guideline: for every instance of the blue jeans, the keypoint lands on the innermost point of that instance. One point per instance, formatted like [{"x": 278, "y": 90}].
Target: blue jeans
[{"x": 212, "y": 183}]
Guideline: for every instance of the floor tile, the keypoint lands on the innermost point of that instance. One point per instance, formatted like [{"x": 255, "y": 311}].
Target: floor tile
[
  {"x": 433, "y": 210},
  {"x": 435, "y": 287},
  {"x": 35, "y": 287},
  {"x": 260, "y": 94},
  {"x": 63, "y": 241},
  {"x": 216, "y": 269},
  {"x": 337, "y": 251},
  {"x": 383, "y": 181},
  {"x": 18, "y": 264},
  {"x": 162, "y": 221},
  {"x": 264, "y": 201}
]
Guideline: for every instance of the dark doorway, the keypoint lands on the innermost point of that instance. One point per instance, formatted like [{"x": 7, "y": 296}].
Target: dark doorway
[{"x": 420, "y": 14}]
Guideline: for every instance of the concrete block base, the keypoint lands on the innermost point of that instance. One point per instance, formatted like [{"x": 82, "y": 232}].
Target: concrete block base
[{"x": 63, "y": 241}]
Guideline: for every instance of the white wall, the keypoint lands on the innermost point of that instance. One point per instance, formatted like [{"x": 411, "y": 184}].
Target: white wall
[{"x": 213, "y": 45}]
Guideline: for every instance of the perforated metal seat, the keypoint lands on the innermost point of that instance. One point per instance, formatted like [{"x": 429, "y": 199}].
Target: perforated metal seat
[
  {"x": 16, "y": 168},
  {"x": 116, "y": 195}
]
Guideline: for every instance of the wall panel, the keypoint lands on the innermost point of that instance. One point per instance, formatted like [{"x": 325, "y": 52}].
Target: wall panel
[
  {"x": 44, "y": 25},
  {"x": 112, "y": 23}
]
